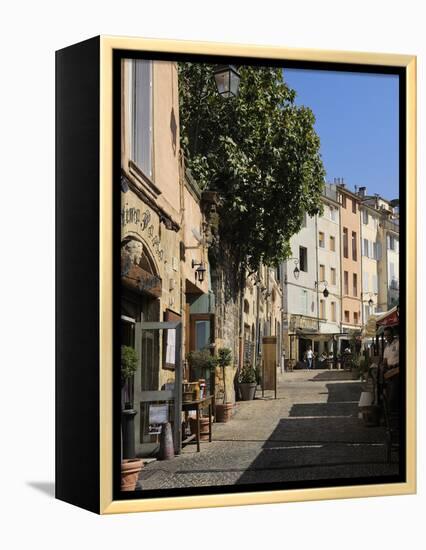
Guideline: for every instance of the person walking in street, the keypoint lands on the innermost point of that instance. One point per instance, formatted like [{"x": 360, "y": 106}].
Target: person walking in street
[{"x": 309, "y": 357}]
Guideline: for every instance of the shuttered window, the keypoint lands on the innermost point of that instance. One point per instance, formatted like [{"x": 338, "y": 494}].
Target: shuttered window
[
  {"x": 365, "y": 282},
  {"x": 142, "y": 115}
]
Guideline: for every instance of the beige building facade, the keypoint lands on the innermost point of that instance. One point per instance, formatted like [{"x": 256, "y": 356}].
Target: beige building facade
[
  {"x": 329, "y": 276},
  {"x": 164, "y": 271},
  {"x": 371, "y": 256}
]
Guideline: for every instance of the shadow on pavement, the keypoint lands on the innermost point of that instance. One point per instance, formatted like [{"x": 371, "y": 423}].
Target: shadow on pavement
[
  {"x": 331, "y": 375},
  {"x": 333, "y": 443}
]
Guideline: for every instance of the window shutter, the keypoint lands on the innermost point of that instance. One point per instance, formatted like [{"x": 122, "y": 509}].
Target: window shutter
[
  {"x": 365, "y": 282},
  {"x": 142, "y": 115},
  {"x": 375, "y": 283}
]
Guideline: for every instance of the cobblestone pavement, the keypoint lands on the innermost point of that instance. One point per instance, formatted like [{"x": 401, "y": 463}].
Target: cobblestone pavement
[{"x": 310, "y": 432}]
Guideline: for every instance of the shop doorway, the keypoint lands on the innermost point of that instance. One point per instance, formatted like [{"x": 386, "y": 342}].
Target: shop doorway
[{"x": 304, "y": 344}]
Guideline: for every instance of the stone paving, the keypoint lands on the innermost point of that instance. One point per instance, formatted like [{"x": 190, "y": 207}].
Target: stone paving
[{"x": 310, "y": 432}]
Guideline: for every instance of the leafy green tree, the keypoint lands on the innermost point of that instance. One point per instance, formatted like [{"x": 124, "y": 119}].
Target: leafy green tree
[{"x": 259, "y": 151}]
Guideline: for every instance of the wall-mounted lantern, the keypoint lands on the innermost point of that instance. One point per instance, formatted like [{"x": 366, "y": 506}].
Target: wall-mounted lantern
[
  {"x": 325, "y": 292},
  {"x": 227, "y": 80},
  {"x": 296, "y": 270},
  {"x": 199, "y": 272}
]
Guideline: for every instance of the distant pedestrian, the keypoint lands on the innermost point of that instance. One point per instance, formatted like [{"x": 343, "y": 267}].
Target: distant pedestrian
[{"x": 309, "y": 357}]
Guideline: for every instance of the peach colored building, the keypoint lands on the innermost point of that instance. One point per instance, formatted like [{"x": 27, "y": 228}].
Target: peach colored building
[
  {"x": 164, "y": 267},
  {"x": 351, "y": 273}
]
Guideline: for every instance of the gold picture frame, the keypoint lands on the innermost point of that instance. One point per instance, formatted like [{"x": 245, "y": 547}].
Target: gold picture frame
[{"x": 107, "y": 46}]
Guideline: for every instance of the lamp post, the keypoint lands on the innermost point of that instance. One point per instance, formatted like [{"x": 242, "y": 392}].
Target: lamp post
[{"x": 227, "y": 80}]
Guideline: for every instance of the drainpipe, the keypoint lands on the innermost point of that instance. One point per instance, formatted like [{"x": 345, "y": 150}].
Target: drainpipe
[
  {"x": 317, "y": 278},
  {"x": 361, "y": 234},
  {"x": 257, "y": 331},
  {"x": 341, "y": 280},
  {"x": 241, "y": 351}
]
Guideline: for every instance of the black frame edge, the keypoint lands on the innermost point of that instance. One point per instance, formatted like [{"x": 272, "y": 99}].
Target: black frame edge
[{"x": 77, "y": 455}]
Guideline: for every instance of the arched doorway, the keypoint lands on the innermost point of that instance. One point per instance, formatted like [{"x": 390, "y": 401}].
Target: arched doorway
[{"x": 141, "y": 288}]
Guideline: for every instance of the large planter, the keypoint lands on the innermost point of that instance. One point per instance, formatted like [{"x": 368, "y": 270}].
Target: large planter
[
  {"x": 247, "y": 391},
  {"x": 128, "y": 430},
  {"x": 130, "y": 469},
  {"x": 224, "y": 412}
]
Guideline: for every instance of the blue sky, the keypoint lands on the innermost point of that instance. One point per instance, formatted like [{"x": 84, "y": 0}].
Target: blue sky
[{"x": 357, "y": 121}]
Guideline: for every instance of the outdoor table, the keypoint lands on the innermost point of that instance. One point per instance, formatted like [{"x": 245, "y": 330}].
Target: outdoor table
[{"x": 198, "y": 406}]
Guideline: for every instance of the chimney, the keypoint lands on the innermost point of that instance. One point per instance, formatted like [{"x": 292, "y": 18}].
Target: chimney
[{"x": 362, "y": 192}]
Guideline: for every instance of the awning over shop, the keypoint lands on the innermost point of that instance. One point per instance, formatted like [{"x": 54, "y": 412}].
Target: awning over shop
[
  {"x": 389, "y": 318},
  {"x": 324, "y": 336},
  {"x": 379, "y": 321}
]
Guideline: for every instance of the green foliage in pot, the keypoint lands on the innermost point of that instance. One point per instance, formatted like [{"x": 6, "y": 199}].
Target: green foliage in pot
[
  {"x": 129, "y": 363},
  {"x": 247, "y": 374},
  {"x": 201, "y": 359},
  {"x": 224, "y": 359}
]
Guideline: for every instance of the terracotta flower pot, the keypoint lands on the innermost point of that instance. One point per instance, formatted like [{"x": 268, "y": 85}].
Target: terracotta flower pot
[
  {"x": 224, "y": 412},
  {"x": 204, "y": 427},
  {"x": 130, "y": 469}
]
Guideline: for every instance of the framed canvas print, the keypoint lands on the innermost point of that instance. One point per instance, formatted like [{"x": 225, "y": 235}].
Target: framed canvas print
[{"x": 235, "y": 274}]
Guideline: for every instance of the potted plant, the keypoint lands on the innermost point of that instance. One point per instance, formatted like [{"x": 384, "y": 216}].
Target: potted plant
[
  {"x": 224, "y": 409},
  {"x": 201, "y": 363},
  {"x": 130, "y": 466},
  {"x": 247, "y": 382}
]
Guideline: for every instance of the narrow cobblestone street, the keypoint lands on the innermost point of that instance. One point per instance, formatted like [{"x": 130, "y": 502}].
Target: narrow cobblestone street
[{"x": 310, "y": 432}]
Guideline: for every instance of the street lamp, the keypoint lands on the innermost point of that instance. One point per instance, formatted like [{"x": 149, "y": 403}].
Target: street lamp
[
  {"x": 296, "y": 270},
  {"x": 199, "y": 272},
  {"x": 371, "y": 295},
  {"x": 325, "y": 292},
  {"x": 227, "y": 80}
]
